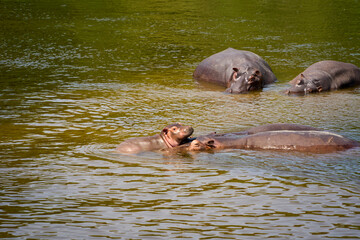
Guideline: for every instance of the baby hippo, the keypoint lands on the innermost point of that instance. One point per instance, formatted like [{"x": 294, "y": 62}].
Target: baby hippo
[{"x": 171, "y": 136}]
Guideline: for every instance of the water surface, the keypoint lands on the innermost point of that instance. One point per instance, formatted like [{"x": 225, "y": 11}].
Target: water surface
[{"x": 79, "y": 77}]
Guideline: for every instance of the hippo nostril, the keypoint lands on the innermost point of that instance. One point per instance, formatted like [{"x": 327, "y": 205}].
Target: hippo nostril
[{"x": 251, "y": 79}]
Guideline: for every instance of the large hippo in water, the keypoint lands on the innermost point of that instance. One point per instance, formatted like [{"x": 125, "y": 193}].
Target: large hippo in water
[
  {"x": 325, "y": 76},
  {"x": 239, "y": 71},
  {"x": 294, "y": 140},
  {"x": 276, "y": 127},
  {"x": 171, "y": 136},
  {"x": 279, "y": 136}
]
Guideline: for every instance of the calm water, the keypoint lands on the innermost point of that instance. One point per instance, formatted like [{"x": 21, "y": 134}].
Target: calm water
[{"x": 79, "y": 77}]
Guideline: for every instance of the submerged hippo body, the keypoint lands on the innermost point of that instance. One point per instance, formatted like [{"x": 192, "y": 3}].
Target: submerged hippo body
[
  {"x": 276, "y": 127},
  {"x": 171, "y": 136},
  {"x": 325, "y": 76},
  {"x": 296, "y": 140},
  {"x": 279, "y": 136},
  {"x": 239, "y": 71}
]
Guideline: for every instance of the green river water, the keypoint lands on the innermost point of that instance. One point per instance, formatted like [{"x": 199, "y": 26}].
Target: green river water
[{"x": 79, "y": 77}]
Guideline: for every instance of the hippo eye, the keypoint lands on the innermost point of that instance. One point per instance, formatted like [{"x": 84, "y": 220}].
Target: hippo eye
[{"x": 300, "y": 82}]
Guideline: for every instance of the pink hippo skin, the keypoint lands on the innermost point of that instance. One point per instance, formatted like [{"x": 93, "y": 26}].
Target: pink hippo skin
[{"x": 171, "y": 136}]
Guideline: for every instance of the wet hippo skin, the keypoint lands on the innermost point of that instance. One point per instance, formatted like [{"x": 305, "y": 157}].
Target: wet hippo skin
[
  {"x": 239, "y": 71},
  {"x": 325, "y": 76},
  {"x": 171, "y": 136},
  {"x": 303, "y": 141},
  {"x": 281, "y": 136},
  {"x": 276, "y": 127}
]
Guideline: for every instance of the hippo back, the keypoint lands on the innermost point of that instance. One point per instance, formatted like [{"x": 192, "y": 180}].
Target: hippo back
[
  {"x": 303, "y": 141},
  {"x": 218, "y": 68},
  {"x": 341, "y": 74}
]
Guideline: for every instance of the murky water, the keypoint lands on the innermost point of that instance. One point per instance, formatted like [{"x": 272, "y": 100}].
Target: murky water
[{"x": 79, "y": 77}]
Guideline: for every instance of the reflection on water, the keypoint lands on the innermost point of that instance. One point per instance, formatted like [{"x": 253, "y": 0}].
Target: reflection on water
[{"x": 80, "y": 77}]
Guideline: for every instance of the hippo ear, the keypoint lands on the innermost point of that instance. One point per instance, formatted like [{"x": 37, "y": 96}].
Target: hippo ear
[
  {"x": 301, "y": 81},
  {"x": 165, "y": 130},
  {"x": 235, "y": 74}
]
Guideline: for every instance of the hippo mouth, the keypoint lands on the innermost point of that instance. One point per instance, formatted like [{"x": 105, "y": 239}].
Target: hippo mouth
[
  {"x": 253, "y": 84},
  {"x": 187, "y": 132}
]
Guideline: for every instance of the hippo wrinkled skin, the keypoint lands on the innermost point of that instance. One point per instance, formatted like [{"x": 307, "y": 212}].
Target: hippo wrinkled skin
[
  {"x": 325, "y": 76},
  {"x": 239, "y": 71},
  {"x": 171, "y": 136}
]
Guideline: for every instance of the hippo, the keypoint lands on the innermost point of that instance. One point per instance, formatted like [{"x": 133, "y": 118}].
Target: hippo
[
  {"x": 276, "y": 127},
  {"x": 237, "y": 70},
  {"x": 325, "y": 76},
  {"x": 278, "y": 136},
  {"x": 171, "y": 136},
  {"x": 293, "y": 140}
]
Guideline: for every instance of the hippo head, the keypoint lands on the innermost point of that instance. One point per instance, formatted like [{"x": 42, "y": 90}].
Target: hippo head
[
  {"x": 197, "y": 145},
  {"x": 174, "y": 134},
  {"x": 245, "y": 81},
  {"x": 204, "y": 143},
  {"x": 305, "y": 85}
]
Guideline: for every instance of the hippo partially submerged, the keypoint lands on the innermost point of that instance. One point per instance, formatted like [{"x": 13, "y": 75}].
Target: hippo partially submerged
[
  {"x": 281, "y": 136},
  {"x": 325, "y": 76},
  {"x": 239, "y": 71},
  {"x": 171, "y": 136},
  {"x": 276, "y": 127},
  {"x": 303, "y": 141}
]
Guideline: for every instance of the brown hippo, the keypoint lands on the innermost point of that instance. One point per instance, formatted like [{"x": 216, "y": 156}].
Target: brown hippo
[
  {"x": 239, "y": 71},
  {"x": 295, "y": 140},
  {"x": 279, "y": 136},
  {"x": 325, "y": 76},
  {"x": 276, "y": 127},
  {"x": 171, "y": 136}
]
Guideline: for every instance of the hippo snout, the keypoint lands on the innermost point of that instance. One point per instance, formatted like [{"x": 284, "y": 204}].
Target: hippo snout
[
  {"x": 196, "y": 145},
  {"x": 188, "y": 130},
  {"x": 228, "y": 90},
  {"x": 185, "y": 131},
  {"x": 297, "y": 90},
  {"x": 251, "y": 80},
  {"x": 237, "y": 87}
]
